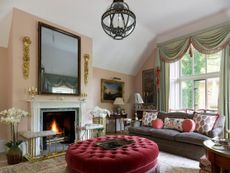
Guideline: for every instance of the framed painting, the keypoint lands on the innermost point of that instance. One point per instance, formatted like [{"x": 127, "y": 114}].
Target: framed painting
[
  {"x": 149, "y": 86},
  {"x": 110, "y": 89}
]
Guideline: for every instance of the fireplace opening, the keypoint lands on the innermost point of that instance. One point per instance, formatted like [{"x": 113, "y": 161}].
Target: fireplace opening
[{"x": 61, "y": 122}]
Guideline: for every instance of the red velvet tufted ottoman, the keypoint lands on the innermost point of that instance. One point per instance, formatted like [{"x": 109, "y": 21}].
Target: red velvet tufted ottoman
[{"x": 138, "y": 157}]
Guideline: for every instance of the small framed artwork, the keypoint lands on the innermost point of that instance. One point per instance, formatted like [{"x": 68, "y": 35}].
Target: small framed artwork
[{"x": 110, "y": 89}]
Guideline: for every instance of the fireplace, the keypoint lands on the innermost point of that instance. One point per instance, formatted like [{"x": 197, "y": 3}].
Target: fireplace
[
  {"x": 62, "y": 121},
  {"x": 40, "y": 106}
]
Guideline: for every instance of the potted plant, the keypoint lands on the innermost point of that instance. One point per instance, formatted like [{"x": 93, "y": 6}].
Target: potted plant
[{"x": 12, "y": 117}]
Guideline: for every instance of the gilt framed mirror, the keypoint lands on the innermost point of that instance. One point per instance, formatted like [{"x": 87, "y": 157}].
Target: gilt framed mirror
[{"x": 59, "y": 64}]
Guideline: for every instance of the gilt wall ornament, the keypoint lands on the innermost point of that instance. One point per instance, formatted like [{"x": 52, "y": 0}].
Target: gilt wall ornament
[
  {"x": 86, "y": 68},
  {"x": 26, "y": 56}
]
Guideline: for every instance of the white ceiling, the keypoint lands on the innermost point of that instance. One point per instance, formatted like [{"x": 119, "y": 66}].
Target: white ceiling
[{"x": 155, "y": 18}]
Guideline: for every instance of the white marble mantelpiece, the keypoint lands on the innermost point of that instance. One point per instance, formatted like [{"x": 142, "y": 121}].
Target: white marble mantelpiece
[{"x": 37, "y": 105}]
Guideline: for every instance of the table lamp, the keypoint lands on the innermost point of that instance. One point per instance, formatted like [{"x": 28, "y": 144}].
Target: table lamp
[
  {"x": 138, "y": 101},
  {"x": 118, "y": 101}
]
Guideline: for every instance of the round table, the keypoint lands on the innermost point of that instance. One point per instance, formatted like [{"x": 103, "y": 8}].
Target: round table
[
  {"x": 218, "y": 156},
  {"x": 138, "y": 157}
]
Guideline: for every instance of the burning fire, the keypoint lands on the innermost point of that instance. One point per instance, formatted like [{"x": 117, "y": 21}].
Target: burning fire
[{"x": 55, "y": 127}]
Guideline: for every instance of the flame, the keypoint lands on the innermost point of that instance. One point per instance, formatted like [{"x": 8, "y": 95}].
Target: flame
[{"x": 55, "y": 127}]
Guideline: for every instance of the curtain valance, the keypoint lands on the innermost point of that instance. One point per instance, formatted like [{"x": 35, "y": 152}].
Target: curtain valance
[{"x": 207, "y": 42}]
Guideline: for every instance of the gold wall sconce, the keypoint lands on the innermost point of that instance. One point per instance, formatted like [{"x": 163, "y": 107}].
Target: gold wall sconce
[
  {"x": 32, "y": 91},
  {"x": 86, "y": 68},
  {"x": 26, "y": 56}
]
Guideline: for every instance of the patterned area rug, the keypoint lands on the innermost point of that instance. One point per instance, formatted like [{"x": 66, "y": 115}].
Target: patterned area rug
[{"x": 168, "y": 164}]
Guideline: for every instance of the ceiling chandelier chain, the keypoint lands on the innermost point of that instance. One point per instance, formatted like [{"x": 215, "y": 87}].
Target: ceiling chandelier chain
[{"x": 118, "y": 21}]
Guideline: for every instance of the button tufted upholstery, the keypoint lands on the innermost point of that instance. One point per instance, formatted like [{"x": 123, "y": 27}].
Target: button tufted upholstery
[{"x": 138, "y": 157}]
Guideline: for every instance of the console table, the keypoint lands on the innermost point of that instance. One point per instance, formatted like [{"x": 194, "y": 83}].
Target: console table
[
  {"x": 116, "y": 117},
  {"x": 218, "y": 156}
]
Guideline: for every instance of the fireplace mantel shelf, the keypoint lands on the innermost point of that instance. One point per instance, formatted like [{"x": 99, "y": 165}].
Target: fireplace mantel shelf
[{"x": 59, "y": 100}]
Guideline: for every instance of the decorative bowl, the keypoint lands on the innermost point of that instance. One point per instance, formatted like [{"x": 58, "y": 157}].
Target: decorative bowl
[{"x": 224, "y": 142}]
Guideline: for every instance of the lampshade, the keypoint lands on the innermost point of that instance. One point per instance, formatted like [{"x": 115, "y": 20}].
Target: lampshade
[
  {"x": 138, "y": 98},
  {"x": 118, "y": 21},
  {"x": 118, "y": 101}
]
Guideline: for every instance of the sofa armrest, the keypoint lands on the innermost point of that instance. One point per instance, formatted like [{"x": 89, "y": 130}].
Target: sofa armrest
[{"x": 216, "y": 132}]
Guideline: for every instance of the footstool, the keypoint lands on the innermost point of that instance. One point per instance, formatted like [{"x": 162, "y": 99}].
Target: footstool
[{"x": 140, "y": 156}]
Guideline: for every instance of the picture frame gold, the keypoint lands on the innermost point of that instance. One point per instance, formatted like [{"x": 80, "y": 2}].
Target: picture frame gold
[{"x": 110, "y": 89}]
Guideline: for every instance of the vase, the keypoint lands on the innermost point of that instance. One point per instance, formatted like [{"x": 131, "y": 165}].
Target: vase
[{"x": 14, "y": 155}]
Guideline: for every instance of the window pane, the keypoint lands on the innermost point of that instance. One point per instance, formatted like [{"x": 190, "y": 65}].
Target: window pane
[
  {"x": 186, "y": 94},
  {"x": 213, "y": 92},
  {"x": 213, "y": 62},
  {"x": 199, "y": 62},
  {"x": 199, "y": 94},
  {"x": 186, "y": 65}
]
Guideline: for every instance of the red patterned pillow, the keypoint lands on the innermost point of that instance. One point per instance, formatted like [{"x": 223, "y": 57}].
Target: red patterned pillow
[
  {"x": 188, "y": 125},
  {"x": 204, "y": 122},
  {"x": 173, "y": 123},
  {"x": 157, "y": 123},
  {"x": 148, "y": 117}
]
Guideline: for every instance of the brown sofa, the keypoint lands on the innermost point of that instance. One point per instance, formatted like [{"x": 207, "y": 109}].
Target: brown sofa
[{"x": 187, "y": 144}]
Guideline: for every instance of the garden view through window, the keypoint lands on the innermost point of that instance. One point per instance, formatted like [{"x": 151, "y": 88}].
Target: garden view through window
[{"x": 195, "y": 79}]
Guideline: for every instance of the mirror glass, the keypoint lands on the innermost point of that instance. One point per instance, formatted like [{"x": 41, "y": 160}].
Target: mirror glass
[{"x": 59, "y": 66}]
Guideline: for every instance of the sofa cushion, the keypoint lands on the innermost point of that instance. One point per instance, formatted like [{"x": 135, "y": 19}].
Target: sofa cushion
[
  {"x": 140, "y": 130},
  {"x": 157, "y": 123},
  {"x": 163, "y": 133},
  {"x": 173, "y": 123},
  {"x": 204, "y": 122},
  {"x": 148, "y": 117},
  {"x": 191, "y": 138},
  {"x": 188, "y": 125}
]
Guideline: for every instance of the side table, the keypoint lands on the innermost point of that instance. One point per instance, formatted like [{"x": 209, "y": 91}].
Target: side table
[{"x": 218, "y": 156}]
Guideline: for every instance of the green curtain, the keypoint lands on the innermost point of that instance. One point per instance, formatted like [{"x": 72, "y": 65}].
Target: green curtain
[
  {"x": 163, "y": 98},
  {"x": 207, "y": 41},
  {"x": 224, "y": 101}
]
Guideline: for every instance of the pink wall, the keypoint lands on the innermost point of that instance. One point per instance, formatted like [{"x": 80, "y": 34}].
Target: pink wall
[
  {"x": 24, "y": 24},
  {"x": 4, "y": 87},
  {"x": 95, "y": 91}
]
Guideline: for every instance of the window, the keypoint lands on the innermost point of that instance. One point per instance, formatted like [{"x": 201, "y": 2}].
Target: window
[{"x": 194, "y": 81}]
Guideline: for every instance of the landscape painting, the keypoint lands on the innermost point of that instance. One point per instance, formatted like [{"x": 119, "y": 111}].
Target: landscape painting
[{"x": 110, "y": 89}]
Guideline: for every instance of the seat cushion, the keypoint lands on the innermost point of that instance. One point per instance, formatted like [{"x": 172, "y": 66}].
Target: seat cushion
[
  {"x": 163, "y": 133},
  {"x": 140, "y": 130},
  {"x": 191, "y": 138}
]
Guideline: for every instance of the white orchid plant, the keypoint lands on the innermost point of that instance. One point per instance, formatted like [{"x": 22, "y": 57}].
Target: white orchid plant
[
  {"x": 12, "y": 117},
  {"x": 99, "y": 112}
]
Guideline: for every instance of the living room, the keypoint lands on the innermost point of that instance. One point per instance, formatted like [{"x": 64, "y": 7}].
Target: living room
[{"x": 101, "y": 57}]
